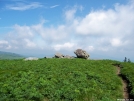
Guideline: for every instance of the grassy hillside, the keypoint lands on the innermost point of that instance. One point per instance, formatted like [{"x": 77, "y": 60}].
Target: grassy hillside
[
  {"x": 8, "y": 55},
  {"x": 128, "y": 72},
  {"x": 59, "y": 80}
]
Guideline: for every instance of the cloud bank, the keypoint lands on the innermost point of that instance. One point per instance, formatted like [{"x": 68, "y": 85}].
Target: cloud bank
[{"x": 108, "y": 32}]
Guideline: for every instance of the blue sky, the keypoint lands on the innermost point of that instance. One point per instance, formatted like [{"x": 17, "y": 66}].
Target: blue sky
[{"x": 104, "y": 28}]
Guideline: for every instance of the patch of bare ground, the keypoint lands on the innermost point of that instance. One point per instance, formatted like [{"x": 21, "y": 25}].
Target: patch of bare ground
[{"x": 124, "y": 83}]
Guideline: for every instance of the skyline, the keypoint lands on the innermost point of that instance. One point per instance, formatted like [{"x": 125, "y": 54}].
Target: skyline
[{"x": 41, "y": 28}]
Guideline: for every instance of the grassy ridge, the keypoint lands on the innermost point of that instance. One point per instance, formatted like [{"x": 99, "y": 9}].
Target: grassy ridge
[
  {"x": 59, "y": 80},
  {"x": 128, "y": 72},
  {"x": 8, "y": 55}
]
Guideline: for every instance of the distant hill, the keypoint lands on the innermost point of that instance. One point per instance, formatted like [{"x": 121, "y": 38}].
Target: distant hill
[{"x": 9, "y": 55}]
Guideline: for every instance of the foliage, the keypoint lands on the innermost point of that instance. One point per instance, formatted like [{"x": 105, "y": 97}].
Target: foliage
[
  {"x": 128, "y": 71},
  {"x": 59, "y": 80},
  {"x": 125, "y": 60},
  {"x": 129, "y": 60}
]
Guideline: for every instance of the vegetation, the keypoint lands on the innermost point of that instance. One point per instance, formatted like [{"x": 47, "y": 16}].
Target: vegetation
[
  {"x": 59, "y": 80},
  {"x": 8, "y": 55},
  {"x": 128, "y": 72},
  {"x": 125, "y": 60}
]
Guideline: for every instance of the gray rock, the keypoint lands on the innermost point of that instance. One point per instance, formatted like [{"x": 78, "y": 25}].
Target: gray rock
[
  {"x": 81, "y": 54},
  {"x": 68, "y": 57},
  {"x": 31, "y": 58},
  {"x": 59, "y": 55}
]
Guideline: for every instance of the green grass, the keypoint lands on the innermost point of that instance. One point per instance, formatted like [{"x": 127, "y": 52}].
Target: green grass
[
  {"x": 59, "y": 80},
  {"x": 128, "y": 71}
]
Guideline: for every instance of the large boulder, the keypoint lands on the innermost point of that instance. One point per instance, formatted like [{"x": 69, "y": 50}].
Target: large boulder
[
  {"x": 81, "y": 54},
  {"x": 59, "y": 55}
]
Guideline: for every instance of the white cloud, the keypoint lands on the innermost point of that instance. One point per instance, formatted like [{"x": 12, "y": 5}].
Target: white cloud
[
  {"x": 65, "y": 46},
  {"x": 70, "y": 14},
  {"x": 102, "y": 31},
  {"x": 54, "y": 6},
  {"x": 116, "y": 42},
  {"x": 8, "y": 47},
  {"x": 103, "y": 49},
  {"x": 81, "y": 8},
  {"x": 97, "y": 23},
  {"x": 24, "y": 6},
  {"x": 90, "y": 48},
  {"x": 3, "y": 42},
  {"x": 22, "y": 31},
  {"x": 29, "y": 43},
  {"x": 111, "y": 21},
  {"x": 51, "y": 33}
]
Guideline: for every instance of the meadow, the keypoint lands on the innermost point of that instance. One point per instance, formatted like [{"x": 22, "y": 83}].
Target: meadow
[
  {"x": 128, "y": 72},
  {"x": 61, "y": 80}
]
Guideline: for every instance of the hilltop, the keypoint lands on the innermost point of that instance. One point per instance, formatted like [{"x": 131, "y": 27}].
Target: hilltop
[{"x": 9, "y": 55}]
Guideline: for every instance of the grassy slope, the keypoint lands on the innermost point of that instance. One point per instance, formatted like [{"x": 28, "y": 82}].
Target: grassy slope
[
  {"x": 8, "y": 55},
  {"x": 59, "y": 79},
  {"x": 128, "y": 71}
]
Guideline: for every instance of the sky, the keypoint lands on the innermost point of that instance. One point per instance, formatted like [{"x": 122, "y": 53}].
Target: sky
[{"x": 39, "y": 28}]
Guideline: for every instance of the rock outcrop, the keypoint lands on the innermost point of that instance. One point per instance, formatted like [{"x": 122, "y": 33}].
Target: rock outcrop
[
  {"x": 68, "y": 57},
  {"x": 81, "y": 54},
  {"x": 59, "y": 55},
  {"x": 31, "y": 58}
]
